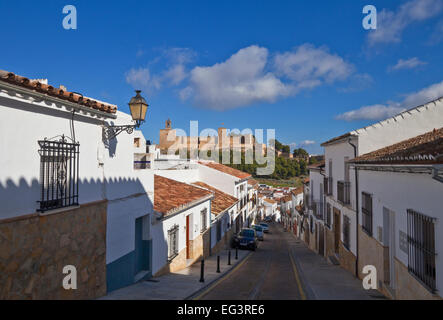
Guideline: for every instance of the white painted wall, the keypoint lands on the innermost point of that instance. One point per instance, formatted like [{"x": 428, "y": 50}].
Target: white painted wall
[
  {"x": 104, "y": 172},
  {"x": 402, "y": 191},
  {"x": 160, "y": 229}
]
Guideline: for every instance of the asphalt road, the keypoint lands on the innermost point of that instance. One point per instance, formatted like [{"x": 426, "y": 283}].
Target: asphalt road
[{"x": 269, "y": 273}]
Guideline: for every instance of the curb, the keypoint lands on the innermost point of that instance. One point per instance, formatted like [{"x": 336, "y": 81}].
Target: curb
[
  {"x": 310, "y": 295},
  {"x": 195, "y": 295}
]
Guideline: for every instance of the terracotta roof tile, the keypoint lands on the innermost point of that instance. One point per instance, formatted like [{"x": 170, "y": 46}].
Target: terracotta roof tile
[
  {"x": 336, "y": 139},
  {"x": 221, "y": 201},
  {"x": 170, "y": 196},
  {"x": 423, "y": 149},
  {"x": 35, "y": 85},
  {"x": 252, "y": 182},
  {"x": 297, "y": 191},
  {"x": 226, "y": 169},
  {"x": 272, "y": 201},
  {"x": 320, "y": 165}
]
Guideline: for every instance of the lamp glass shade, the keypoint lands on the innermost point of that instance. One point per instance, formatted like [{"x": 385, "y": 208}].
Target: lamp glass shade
[{"x": 138, "y": 107}]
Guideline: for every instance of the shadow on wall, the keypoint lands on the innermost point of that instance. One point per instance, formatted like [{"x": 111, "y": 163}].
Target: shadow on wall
[{"x": 34, "y": 249}]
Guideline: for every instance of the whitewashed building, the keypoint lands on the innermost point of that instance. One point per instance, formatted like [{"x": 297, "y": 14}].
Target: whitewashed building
[
  {"x": 340, "y": 181},
  {"x": 400, "y": 189},
  {"x": 68, "y": 192}
]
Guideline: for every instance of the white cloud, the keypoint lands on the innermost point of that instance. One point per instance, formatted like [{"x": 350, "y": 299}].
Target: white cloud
[
  {"x": 407, "y": 64},
  {"x": 390, "y": 24},
  {"x": 174, "y": 73},
  {"x": 249, "y": 76},
  {"x": 309, "y": 67},
  {"x": 307, "y": 142},
  {"x": 383, "y": 111},
  {"x": 238, "y": 81},
  {"x": 141, "y": 78}
]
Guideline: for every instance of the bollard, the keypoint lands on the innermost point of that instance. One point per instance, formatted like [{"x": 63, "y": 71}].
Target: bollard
[
  {"x": 218, "y": 264},
  {"x": 202, "y": 271},
  {"x": 236, "y": 253},
  {"x": 229, "y": 257}
]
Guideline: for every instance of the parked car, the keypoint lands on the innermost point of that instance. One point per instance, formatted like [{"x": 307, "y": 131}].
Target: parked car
[
  {"x": 268, "y": 219},
  {"x": 258, "y": 231},
  {"x": 265, "y": 227},
  {"x": 246, "y": 239}
]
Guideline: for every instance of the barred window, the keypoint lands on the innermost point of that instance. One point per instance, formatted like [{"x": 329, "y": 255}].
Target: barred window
[
  {"x": 204, "y": 220},
  {"x": 311, "y": 224},
  {"x": 346, "y": 231},
  {"x": 173, "y": 242},
  {"x": 367, "y": 212},
  {"x": 328, "y": 215},
  {"x": 421, "y": 248},
  {"x": 59, "y": 162}
]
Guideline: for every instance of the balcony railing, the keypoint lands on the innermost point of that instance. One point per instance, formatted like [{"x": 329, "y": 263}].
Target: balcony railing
[
  {"x": 344, "y": 192},
  {"x": 327, "y": 184}
]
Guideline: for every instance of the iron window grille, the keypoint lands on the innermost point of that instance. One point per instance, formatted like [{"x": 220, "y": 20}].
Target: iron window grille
[
  {"x": 346, "y": 231},
  {"x": 328, "y": 215},
  {"x": 204, "y": 220},
  {"x": 59, "y": 168},
  {"x": 421, "y": 248},
  {"x": 311, "y": 224},
  {"x": 344, "y": 192},
  {"x": 173, "y": 242},
  {"x": 367, "y": 212}
]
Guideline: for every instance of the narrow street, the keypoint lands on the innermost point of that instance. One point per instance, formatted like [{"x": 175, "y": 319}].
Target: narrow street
[{"x": 282, "y": 268}]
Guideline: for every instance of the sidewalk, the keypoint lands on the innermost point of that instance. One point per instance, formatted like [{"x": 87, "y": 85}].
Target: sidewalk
[
  {"x": 323, "y": 280},
  {"x": 179, "y": 285}
]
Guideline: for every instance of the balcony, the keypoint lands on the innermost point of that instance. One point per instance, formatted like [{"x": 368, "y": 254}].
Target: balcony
[
  {"x": 344, "y": 192},
  {"x": 327, "y": 184}
]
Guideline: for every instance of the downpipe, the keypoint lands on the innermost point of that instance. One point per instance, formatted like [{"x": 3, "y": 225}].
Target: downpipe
[{"x": 356, "y": 208}]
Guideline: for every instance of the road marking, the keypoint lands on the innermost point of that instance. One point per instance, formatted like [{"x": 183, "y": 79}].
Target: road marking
[
  {"x": 297, "y": 277},
  {"x": 223, "y": 278}
]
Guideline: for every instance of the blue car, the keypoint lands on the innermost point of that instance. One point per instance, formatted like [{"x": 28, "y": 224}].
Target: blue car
[{"x": 245, "y": 239}]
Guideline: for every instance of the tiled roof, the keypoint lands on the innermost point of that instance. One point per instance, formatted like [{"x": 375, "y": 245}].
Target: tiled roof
[
  {"x": 171, "y": 196},
  {"x": 37, "y": 86},
  {"x": 320, "y": 165},
  {"x": 423, "y": 149},
  {"x": 221, "y": 201},
  {"x": 226, "y": 169},
  {"x": 252, "y": 182},
  {"x": 271, "y": 201},
  {"x": 336, "y": 139},
  {"x": 297, "y": 191},
  {"x": 287, "y": 198},
  {"x": 306, "y": 180}
]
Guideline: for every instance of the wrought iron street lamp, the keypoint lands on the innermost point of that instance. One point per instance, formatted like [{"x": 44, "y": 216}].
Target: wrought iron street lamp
[{"x": 138, "y": 108}]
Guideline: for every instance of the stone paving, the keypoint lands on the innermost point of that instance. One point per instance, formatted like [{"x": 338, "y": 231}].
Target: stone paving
[{"x": 179, "y": 285}]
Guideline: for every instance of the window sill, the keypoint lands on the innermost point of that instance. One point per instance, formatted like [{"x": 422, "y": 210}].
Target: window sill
[
  {"x": 59, "y": 210},
  {"x": 172, "y": 257}
]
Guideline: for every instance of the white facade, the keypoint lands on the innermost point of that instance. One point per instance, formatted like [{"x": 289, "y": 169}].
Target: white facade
[
  {"x": 398, "y": 192},
  {"x": 160, "y": 232},
  {"x": 105, "y": 167}
]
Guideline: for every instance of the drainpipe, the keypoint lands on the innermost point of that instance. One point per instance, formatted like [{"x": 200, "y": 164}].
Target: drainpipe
[{"x": 356, "y": 206}]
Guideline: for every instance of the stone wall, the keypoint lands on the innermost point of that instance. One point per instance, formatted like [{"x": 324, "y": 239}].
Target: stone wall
[
  {"x": 371, "y": 252},
  {"x": 347, "y": 259},
  {"x": 329, "y": 242},
  {"x": 34, "y": 249},
  {"x": 409, "y": 288}
]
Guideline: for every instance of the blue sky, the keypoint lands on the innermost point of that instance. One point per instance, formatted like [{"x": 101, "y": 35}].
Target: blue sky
[{"x": 306, "y": 68}]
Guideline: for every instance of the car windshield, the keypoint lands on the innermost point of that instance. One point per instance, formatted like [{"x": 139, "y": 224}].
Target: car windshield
[
  {"x": 247, "y": 233},
  {"x": 258, "y": 228}
]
